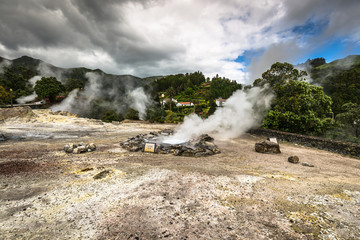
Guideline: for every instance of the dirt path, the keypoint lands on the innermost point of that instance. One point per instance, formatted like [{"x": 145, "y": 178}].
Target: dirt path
[{"x": 238, "y": 194}]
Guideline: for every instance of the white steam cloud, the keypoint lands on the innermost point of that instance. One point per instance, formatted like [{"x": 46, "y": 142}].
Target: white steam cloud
[
  {"x": 242, "y": 111},
  {"x": 26, "y": 99},
  {"x": 67, "y": 103},
  {"x": 279, "y": 52},
  {"x": 3, "y": 64},
  {"x": 117, "y": 95},
  {"x": 76, "y": 102},
  {"x": 139, "y": 101},
  {"x": 46, "y": 71},
  {"x": 31, "y": 97}
]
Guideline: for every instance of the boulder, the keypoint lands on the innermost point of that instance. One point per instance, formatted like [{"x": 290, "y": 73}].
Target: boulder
[
  {"x": 293, "y": 159},
  {"x": 79, "y": 148},
  {"x": 91, "y": 147},
  {"x": 68, "y": 148},
  {"x": 267, "y": 147}
]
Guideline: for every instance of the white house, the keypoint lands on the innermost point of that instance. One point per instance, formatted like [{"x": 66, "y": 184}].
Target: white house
[
  {"x": 220, "y": 102},
  {"x": 184, "y": 104}
]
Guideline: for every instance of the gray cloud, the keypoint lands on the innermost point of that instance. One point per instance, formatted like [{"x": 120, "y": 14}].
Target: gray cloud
[{"x": 152, "y": 37}]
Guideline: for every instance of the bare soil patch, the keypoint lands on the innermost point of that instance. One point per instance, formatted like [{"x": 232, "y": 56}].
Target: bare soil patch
[{"x": 237, "y": 194}]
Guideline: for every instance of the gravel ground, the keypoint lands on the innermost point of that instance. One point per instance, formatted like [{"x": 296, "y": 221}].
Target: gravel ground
[{"x": 237, "y": 194}]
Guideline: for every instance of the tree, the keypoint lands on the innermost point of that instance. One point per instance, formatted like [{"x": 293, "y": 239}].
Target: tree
[
  {"x": 73, "y": 83},
  {"x": 48, "y": 87},
  {"x": 4, "y": 96},
  {"x": 223, "y": 87},
  {"x": 343, "y": 87},
  {"x": 132, "y": 114},
  {"x": 351, "y": 117},
  {"x": 298, "y": 106},
  {"x": 170, "y": 92},
  {"x": 278, "y": 74}
]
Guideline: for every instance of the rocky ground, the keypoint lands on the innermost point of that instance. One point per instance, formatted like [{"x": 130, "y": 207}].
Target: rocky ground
[{"x": 46, "y": 193}]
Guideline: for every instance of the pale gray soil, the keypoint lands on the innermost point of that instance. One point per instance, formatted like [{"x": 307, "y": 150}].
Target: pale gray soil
[{"x": 238, "y": 194}]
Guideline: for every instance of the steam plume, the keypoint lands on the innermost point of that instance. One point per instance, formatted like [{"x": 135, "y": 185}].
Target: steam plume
[
  {"x": 242, "y": 111},
  {"x": 110, "y": 93},
  {"x": 26, "y": 99},
  {"x": 33, "y": 96},
  {"x": 139, "y": 101},
  {"x": 3, "y": 64},
  {"x": 46, "y": 71}
]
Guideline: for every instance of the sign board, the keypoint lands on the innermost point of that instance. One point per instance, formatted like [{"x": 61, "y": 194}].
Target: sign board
[
  {"x": 149, "y": 147},
  {"x": 274, "y": 140}
]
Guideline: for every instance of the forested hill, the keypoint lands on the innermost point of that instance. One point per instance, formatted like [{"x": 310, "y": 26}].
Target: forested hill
[
  {"x": 340, "y": 80},
  {"x": 332, "y": 110}
]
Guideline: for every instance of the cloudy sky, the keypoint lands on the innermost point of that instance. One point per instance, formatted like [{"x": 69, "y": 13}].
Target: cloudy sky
[{"x": 234, "y": 38}]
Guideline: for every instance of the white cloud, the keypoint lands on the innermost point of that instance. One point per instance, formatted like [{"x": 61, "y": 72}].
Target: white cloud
[{"x": 156, "y": 37}]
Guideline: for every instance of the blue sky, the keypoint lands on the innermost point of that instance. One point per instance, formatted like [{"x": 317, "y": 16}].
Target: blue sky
[{"x": 237, "y": 39}]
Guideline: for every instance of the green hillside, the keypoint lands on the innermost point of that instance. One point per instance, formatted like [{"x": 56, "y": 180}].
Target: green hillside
[{"x": 340, "y": 80}]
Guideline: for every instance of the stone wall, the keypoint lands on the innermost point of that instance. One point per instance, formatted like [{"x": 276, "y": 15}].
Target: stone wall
[{"x": 321, "y": 143}]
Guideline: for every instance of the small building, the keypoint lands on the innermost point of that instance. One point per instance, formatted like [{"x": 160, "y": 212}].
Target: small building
[
  {"x": 220, "y": 102},
  {"x": 184, "y": 104},
  {"x": 166, "y": 100}
]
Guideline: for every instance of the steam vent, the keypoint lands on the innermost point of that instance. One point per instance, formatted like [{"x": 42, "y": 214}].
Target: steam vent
[{"x": 154, "y": 142}]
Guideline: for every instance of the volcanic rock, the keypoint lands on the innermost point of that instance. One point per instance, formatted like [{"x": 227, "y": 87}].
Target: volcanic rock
[
  {"x": 103, "y": 174},
  {"x": 68, "y": 148},
  {"x": 267, "y": 147},
  {"x": 2, "y": 137},
  {"x": 79, "y": 148},
  {"x": 293, "y": 159},
  {"x": 91, "y": 147},
  {"x": 198, "y": 147}
]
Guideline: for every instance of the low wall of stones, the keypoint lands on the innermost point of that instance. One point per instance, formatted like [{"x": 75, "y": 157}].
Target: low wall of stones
[{"x": 309, "y": 141}]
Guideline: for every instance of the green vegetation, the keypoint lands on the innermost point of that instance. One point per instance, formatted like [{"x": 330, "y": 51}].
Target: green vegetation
[
  {"x": 326, "y": 106},
  {"x": 48, "y": 87},
  {"x": 350, "y": 117},
  {"x": 222, "y": 87},
  {"x": 298, "y": 106},
  {"x": 4, "y": 96},
  {"x": 132, "y": 114}
]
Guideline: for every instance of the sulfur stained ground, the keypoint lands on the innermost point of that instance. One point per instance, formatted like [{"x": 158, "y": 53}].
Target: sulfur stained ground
[{"x": 238, "y": 194}]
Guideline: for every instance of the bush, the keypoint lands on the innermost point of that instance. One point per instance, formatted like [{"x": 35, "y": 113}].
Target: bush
[
  {"x": 132, "y": 114},
  {"x": 172, "y": 117},
  {"x": 110, "y": 116}
]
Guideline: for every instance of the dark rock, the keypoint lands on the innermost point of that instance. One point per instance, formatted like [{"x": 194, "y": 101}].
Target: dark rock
[
  {"x": 91, "y": 147},
  {"x": 307, "y": 164},
  {"x": 103, "y": 174},
  {"x": 2, "y": 137},
  {"x": 267, "y": 147},
  {"x": 293, "y": 159},
  {"x": 68, "y": 148}
]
